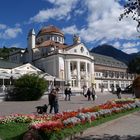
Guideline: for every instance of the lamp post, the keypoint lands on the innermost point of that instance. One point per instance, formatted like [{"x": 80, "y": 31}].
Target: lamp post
[
  {"x": 11, "y": 78},
  {"x": 54, "y": 83},
  {"x": 3, "y": 86}
]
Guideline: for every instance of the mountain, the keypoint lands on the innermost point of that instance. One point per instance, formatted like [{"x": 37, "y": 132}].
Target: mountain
[
  {"x": 111, "y": 51},
  {"x": 4, "y": 52}
]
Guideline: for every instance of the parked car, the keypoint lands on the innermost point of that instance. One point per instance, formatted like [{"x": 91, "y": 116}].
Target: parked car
[{"x": 128, "y": 89}]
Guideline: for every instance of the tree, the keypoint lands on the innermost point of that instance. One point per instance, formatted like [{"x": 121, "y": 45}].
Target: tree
[
  {"x": 5, "y": 51},
  {"x": 132, "y": 8},
  {"x": 134, "y": 65},
  {"x": 29, "y": 87}
]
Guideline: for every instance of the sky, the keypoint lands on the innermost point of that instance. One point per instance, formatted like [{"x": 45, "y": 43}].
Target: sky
[{"x": 95, "y": 21}]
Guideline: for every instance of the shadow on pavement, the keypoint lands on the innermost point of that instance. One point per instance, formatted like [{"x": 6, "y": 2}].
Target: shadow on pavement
[{"x": 109, "y": 137}]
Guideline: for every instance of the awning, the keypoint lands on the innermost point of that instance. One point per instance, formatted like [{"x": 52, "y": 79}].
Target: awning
[
  {"x": 5, "y": 75},
  {"x": 16, "y": 75},
  {"x": 58, "y": 79},
  {"x": 47, "y": 76}
]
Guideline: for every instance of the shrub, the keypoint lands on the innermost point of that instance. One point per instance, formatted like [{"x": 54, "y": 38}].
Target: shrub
[
  {"x": 29, "y": 87},
  {"x": 136, "y": 82},
  {"x": 136, "y": 86}
]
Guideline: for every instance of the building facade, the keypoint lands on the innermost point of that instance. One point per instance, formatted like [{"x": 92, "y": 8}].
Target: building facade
[
  {"x": 110, "y": 72},
  {"x": 11, "y": 71},
  {"x": 48, "y": 52},
  {"x": 73, "y": 64}
]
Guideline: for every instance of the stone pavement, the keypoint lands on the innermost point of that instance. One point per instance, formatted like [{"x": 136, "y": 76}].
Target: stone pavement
[
  {"x": 124, "y": 128},
  {"x": 10, "y": 107}
]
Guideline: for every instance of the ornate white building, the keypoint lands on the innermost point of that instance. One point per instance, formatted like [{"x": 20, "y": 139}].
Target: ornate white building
[
  {"x": 74, "y": 64},
  {"x": 48, "y": 52}
]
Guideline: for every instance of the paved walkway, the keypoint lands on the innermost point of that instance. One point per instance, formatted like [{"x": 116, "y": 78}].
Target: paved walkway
[
  {"x": 124, "y": 128},
  {"x": 9, "y": 107}
]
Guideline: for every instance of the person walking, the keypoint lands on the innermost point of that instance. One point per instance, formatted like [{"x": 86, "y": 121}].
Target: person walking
[
  {"x": 56, "y": 105},
  {"x": 112, "y": 88},
  {"x": 102, "y": 87},
  {"x": 53, "y": 100},
  {"x": 89, "y": 94},
  {"x": 84, "y": 90},
  {"x": 93, "y": 94},
  {"x": 66, "y": 93},
  {"x": 69, "y": 94},
  {"x": 118, "y": 91}
]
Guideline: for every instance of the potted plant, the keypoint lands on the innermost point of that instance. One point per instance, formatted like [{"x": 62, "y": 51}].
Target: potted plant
[{"x": 136, "y": 86}]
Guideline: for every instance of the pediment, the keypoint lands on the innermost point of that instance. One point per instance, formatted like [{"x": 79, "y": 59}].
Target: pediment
[
  {"x": 78, "y": 49},
  {"x": 27, "y": 67}
]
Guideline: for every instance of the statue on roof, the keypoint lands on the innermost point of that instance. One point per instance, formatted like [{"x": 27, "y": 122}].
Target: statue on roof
[{"x": 76, "y": 39}]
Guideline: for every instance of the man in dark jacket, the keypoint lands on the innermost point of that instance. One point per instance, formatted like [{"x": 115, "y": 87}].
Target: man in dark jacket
[
  {"x": 66, "y": 93},
  {"x": 88, "y": 94},
  {"x": 53, "y": 100},
  {"x": 118, "y": 92}
]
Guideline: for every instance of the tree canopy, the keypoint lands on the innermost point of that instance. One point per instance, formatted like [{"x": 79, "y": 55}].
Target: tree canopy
[
  {"x": 134, "y": 65},
  {"x": 4, "y": 52},
  {"x": 132, "y": 8},
  {"x": 28, "y": 88}
]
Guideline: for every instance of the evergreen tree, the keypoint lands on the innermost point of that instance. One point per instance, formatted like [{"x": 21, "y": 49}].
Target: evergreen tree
[{"x": 134, "y": 65}]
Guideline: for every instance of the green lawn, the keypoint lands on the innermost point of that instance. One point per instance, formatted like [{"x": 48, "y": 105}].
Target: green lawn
[{"x": 14, "y": 131}]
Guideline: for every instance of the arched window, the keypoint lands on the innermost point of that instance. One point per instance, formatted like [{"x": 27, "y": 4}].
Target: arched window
[
  {"x": 82, "y": 49},
  {"x": 55, "y": 38}
]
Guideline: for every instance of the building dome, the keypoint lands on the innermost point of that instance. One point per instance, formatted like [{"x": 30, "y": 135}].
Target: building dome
[{"x": 50, "y": 30}]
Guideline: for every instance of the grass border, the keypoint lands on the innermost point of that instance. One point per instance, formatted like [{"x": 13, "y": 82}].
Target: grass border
[{"x": 70, "y": 132}]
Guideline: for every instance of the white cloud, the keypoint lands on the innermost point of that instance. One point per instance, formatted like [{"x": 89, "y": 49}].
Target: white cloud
[
  {"x": 130, "y": 47},
  {"x": 9, "y": 33},
  {"x": 78, "y": 11},
  {"x": 103, "y": 42},
  {"x": 61, "y": 10},
  {"x": 131, "y": 44},
  {"x": 103, "y": 23},
  {"x": 2, "y": 26},
  {"x": 101, "y": 20},
  {"x": 71, "y": 30},
  {"x": 116, "y": 44},
  {"x": 130, "y": 50}
]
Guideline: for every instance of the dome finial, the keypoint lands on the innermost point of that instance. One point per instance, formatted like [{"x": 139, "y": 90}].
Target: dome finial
[{"x": 31, "y": 32}]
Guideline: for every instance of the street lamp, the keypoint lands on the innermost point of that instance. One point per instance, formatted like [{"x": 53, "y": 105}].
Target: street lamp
[
  {"x": 3, "y": 85},
  {"x": 54, "y": 82}
]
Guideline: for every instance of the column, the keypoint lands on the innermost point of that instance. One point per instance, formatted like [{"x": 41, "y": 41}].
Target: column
[
  {"x": 109, "y": 85},
  {"x": 114, "y": 82},
  {"x": 78, "y": 73},
  {"x": 119, "y": 83},
  {"x": 86, "y": 76},
  {"x": 92, "y": 73},
  {"x": 68, "y": 72}
]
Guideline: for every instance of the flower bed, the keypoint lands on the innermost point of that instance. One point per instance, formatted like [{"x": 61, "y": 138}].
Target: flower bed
[{"x": 48, "y": 124}]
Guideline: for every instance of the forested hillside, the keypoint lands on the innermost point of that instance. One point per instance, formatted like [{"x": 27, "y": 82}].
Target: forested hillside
[{"x": 4, "y": 52}]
